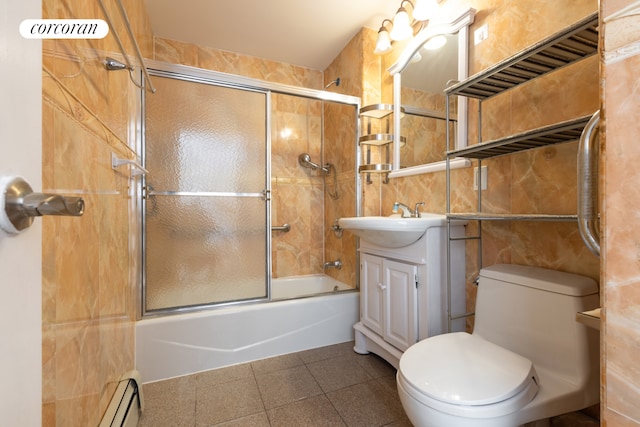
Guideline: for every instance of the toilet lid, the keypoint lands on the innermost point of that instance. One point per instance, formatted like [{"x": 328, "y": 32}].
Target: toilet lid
[{"x": 464, "y": 369}]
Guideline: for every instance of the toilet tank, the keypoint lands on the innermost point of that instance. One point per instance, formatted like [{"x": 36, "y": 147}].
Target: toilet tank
[{"x": 532, "y": 312}]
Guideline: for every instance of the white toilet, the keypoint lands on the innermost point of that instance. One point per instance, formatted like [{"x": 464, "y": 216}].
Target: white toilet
[{"x": 528, "y": 358}]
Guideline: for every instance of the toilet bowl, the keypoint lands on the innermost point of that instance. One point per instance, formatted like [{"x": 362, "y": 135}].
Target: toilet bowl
[{"x": 527, "y": 359}]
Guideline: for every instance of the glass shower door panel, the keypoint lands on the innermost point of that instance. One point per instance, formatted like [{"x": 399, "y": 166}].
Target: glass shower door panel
[
  {"x": 204, "y": 250},
  {"x": 205, "y": 213},
  {"x": 201, "y": 137}
]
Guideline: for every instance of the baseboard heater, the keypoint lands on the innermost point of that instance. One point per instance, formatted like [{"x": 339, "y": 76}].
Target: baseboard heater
[{"x": 126, "y": 405}]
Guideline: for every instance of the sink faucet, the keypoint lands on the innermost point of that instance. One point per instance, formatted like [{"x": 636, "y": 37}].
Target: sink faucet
[{"x": 406, "y": 210}]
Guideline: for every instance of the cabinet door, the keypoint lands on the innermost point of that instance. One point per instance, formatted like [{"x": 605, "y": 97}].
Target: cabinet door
[
  {"x": 400, "y": 319},
  {"x": 371, "y": 292}
]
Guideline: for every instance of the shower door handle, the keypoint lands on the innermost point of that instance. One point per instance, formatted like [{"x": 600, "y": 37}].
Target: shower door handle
[{"x": 285, "y": 227}]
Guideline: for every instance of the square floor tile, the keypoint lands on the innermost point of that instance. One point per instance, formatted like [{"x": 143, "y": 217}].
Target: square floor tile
[
  {"x": 286, "y": 386},
  {"x": 223, "y": 375},
  {"x": 311, "y": 412},
  {"x": 169, "y": 403},
  {"x": 337, "y": 373},
  {"x": 342, "y": 350},
  {"x": 227, "y": 401},
  {"x": 272, "y": 364},
  {"x": 367, "y": 405},
  {"x": 255, "y": 420}
]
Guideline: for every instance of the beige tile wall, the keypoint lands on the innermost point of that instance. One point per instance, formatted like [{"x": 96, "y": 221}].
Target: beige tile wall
[
  {"x": 619, "y": 242},
  {"x": 89, "y": 302}
]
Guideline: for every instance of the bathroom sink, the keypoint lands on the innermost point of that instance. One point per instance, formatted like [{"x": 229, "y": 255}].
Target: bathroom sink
[{"x": 391, "y": 231}]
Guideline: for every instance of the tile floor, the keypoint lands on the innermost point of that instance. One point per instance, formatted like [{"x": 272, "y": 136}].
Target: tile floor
[{"x": 327, "y": 386}]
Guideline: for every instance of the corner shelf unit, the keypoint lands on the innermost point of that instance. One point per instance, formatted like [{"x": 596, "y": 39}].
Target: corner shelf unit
[
  {"x": 369, "y": 139},
  {"x": 568, "y": 46}
]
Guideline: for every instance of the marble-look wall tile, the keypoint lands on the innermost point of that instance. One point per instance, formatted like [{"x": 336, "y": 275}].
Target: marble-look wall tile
[
  {"x": 176, "y": 52},
  {"x": 359, "y": 72},
  {"x": 88, "y": 302},
  {"x": 620, "y": 240}
]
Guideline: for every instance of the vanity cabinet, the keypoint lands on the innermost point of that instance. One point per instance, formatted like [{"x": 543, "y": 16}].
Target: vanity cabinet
[
  {"x": 388, "y": 292},
  {"x": 403, "y": 297}
]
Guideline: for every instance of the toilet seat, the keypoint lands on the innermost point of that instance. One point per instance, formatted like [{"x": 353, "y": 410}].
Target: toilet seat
[{"x": 461, "y": 373}]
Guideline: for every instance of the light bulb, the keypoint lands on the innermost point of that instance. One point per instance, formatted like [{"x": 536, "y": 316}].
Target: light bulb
[
  {"x": 383, "y": 44},
  {"x": 401, "y": 26}
]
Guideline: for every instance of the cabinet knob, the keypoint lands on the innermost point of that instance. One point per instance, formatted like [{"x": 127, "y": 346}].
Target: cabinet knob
[{"x": 382, "y": 286}]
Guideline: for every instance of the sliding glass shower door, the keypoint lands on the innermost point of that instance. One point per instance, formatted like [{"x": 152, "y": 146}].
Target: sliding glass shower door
[{"x": 206, "y": 210}]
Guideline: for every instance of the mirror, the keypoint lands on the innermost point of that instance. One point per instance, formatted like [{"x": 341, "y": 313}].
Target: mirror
[{"x": 419, "y": 88}]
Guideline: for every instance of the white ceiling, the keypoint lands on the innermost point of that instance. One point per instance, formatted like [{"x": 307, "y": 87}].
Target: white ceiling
[{"x": 308, "y": 33}]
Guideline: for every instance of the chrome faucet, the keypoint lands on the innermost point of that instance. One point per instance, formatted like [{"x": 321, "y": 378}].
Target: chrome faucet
[
  {"x": 333, "y": 264},
  {"x": 406, "y": 210}
]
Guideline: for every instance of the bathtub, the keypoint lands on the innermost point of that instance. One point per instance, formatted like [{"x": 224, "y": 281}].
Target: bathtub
[{"x": 187, "y": 343}]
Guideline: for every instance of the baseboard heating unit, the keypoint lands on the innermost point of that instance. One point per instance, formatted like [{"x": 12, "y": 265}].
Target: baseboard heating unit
[{"x": 126, "y": 405}]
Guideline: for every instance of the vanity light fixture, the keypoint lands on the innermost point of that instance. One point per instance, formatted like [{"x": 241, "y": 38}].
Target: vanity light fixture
[
  {"x": 402, "y": 28},
  {"x": 406, "y": 23},
  {"x": 383, "y": 44}
]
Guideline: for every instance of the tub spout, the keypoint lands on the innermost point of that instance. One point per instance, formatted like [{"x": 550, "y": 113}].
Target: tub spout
[{"x": 333, "y": 264}]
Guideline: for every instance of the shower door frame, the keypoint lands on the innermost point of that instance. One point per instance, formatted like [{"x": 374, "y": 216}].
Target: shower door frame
[{"x": 199, "y": 75}]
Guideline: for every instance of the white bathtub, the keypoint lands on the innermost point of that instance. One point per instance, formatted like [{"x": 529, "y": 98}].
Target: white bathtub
[{"x": 183, "y": 344}]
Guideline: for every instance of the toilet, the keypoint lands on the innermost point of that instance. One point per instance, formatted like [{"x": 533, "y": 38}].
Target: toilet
[{"x": 527, "y": 359}]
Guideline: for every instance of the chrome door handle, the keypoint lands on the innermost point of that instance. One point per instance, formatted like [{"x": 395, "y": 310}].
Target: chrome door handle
[{"x": 21, "y": 204}]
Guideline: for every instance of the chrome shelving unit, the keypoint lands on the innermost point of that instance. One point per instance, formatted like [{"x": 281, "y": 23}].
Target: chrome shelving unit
[
  {"x": 568, "y": 46},
  {"x": 382, "y": 138}
]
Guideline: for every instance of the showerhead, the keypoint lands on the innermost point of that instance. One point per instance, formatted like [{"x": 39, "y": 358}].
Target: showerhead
[
  {"x": 334, "y": 82},
  {"x": 113, "y": 64}
]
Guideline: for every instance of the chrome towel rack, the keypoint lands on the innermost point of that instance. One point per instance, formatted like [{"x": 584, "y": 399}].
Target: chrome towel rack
[
  {"x": 121, "y": 46},
  {"x": 136, "y": 168}
]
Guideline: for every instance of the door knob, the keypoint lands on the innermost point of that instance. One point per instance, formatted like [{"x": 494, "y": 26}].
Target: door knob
[{"x": 19, "y": 204}]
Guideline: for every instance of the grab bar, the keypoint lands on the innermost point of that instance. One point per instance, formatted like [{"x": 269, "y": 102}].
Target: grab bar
[
  {"x": 587, "y": 187},
  {"x": 285, "y": 227}
]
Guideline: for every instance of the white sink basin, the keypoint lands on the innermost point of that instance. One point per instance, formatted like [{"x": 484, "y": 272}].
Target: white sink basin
[{"x": 391, "y": 231}]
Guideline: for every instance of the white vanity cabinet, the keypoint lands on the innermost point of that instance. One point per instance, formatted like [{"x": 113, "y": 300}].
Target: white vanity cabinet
[
  {"x": 403, "y": 296},
  {"x": 388, "y": 295}
]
